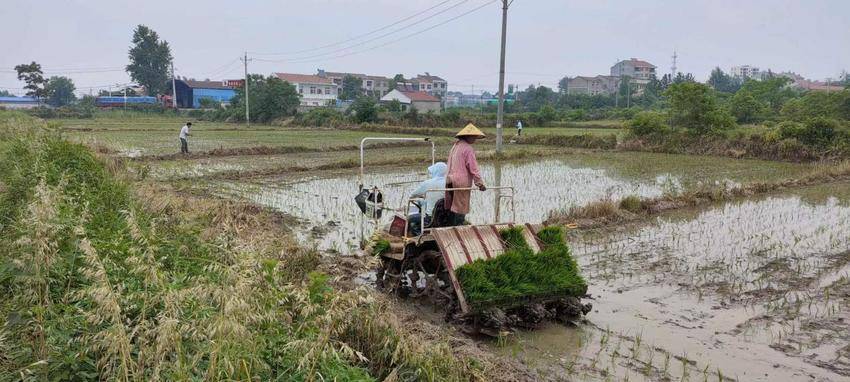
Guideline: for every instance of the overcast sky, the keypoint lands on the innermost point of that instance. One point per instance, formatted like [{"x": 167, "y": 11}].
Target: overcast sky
[{"x": 547, "y": 39}]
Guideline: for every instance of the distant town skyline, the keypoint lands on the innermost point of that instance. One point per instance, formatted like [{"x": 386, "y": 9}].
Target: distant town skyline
[{"x": 547, "y": 39}]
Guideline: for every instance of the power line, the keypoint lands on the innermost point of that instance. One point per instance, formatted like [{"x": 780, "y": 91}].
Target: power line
[
  {"x": 388, "y": 42},
  {"x": 301, "y": 59},
  {"x": 222, "y": 69},
  {"x": 355, "y": 37},
  {"x": 73, "y": 71}
]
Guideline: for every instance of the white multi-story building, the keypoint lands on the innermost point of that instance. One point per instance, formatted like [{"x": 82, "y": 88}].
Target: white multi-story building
[
  {"x": 639, "y": 70},
  {"x": 746, "y": 71},
  {"x": 314, "y": 90},
  {"x": 433, "y": 85}
]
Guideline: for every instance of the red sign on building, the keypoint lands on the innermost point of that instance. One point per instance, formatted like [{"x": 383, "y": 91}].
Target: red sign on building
[{"x": 234, "y": 83}]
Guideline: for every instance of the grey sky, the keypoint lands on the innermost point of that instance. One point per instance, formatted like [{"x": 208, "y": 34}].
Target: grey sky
[{"x": 547, "y": 39}]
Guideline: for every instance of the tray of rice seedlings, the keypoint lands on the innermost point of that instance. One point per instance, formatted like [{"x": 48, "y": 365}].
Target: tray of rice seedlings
[
  {"x": 522, "y": 287},
  {"x": 520, "y": 275}
]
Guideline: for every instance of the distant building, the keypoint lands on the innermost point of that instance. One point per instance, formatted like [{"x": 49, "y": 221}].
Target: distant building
[
  {"x": 639, "y": 70},
  {"x": 746, "y": 71},
  {"x": 593, "y": 85},
  {"x": 191, "y": 92},
  {"x": 315, "y": 91},
  {"x": 432, "y": 85},
  {"x": 373, "y": 86},
  {"x": 458, "y": 99},
  {"x": 421, "y": 101},
  {"x": 18, "y": 102}
]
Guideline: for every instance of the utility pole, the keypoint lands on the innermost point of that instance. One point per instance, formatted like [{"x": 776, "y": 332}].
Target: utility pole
[
  {"x": 173, "y": 88},
  {"x": 500, "y": 116},
  {"x": 125, "y": 97},
  {"x": 247, "y": 102},
  {"x": 619, "y": 81},
  {"x": 673, "y": 68}
]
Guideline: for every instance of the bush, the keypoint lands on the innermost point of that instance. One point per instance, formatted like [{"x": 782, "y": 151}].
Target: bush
[
  {"x": 648, "y": 123},
  {"x": 817, "y": 132},
  {"x": 631, "y": 203},
  {"x": 364, "y": 110},
  {"x": 694, "y": 107},
  {"x": 323, "y": 117}
]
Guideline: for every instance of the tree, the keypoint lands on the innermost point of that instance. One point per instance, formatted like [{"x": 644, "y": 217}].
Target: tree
[
  {"x": 365, "y": 110},
  {"x": 394, "y": 106},
  {"x": 352, "y": 88},
  {"x": 271, "y": 98},
  {"x": 694, "y": 107},
  {"x": 5, "y": 93},
  {"x": 60, "y": 91},
  {"x": 535, "y": 98},
  {"x": 746, "y": 108},
  {"x": 723, "y": 82},
  {"x": 666, "y": 81},
  {"x": 563, "y": 85},
  {"x": 680, "y": 78},
  {"x": 396, "y": 80},
  {"x": 32, "y": 75},
  {"x": 150, "y": 59},
  {"x": 773, "y": 91}
]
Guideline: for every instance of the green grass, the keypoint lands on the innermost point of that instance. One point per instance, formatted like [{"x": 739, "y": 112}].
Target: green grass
[{"x": 519, "y": 275}]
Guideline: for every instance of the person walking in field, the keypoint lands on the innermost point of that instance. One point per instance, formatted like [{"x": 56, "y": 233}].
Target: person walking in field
[
  {"x": 519, "y": 128},
  {"x": 463, "y": 172},
  {"x": 184, "y": 138}
]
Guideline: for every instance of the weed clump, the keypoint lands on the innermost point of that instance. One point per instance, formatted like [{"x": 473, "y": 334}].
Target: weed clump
[
  {"x": 520, "y": 276},
  {"x": 631, "y": 203}
]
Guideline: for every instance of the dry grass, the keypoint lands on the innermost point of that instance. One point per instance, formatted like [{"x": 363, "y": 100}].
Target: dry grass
[{"x": 157, "y": 284}]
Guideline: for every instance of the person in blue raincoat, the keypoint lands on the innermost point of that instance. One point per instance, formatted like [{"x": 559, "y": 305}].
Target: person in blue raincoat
[{"x": 437, "y": 172}]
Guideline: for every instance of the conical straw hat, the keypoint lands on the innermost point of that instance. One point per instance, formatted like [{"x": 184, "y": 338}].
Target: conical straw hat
[{"x": 470, "y": 130}]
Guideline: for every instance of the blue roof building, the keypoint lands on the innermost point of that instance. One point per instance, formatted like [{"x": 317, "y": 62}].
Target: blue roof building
[
  {"x": 191, "y": 92},
  {"x": 18, "y": 102}
]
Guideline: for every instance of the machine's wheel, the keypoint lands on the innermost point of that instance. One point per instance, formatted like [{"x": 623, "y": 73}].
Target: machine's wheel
[
  {"x": 437, "y": 287},
  {"x": 389, "y": 276}
]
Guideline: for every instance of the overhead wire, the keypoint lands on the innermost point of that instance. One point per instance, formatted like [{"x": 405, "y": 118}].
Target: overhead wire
[
  {"x": 355, "y": 37},
  {"x": 301, "y": 61},
  {"x": 298, "y": 59}
]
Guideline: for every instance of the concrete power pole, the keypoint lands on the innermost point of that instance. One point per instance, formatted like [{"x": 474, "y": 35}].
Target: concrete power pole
[
  {"x": 619, "y": 81},
  {"x": 673, "y": 68},
  {"x": 173, "y": 88},
  {"x": 247, "y": 102},
  {"x": 500, "y": 117}
]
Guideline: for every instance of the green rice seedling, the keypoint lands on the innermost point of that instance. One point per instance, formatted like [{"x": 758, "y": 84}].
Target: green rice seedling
[{"x": 519, "y": 274}]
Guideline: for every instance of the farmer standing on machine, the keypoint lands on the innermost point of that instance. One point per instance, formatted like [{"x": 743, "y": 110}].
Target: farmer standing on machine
[
  {"x": 184, "y": 138},
  {"x": 463, "y": 172}
]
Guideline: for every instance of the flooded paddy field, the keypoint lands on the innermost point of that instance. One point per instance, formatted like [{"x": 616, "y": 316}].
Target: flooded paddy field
[
  {"x": 325, "y": 199},
  {"x": 154, "y": 142},
  {"x": 752, "y": 290},
  {"x": 283, "y": 164}
]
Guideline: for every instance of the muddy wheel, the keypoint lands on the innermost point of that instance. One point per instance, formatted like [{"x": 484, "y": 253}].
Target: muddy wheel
[{"x": 388, "y": 275}]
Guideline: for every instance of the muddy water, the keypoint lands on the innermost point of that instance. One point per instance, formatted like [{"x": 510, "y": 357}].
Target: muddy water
[
  {"x": 540, "y": 186},
  {"x": 719, "y": 287}
]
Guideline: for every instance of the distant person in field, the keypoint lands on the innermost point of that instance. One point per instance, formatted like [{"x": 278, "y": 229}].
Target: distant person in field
[
  {"x": 463, "y": 172},
  {"x": 519, "y": 128},
  {"x": 437, "y": 181},
  {"x": 184, "y": 138}
]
